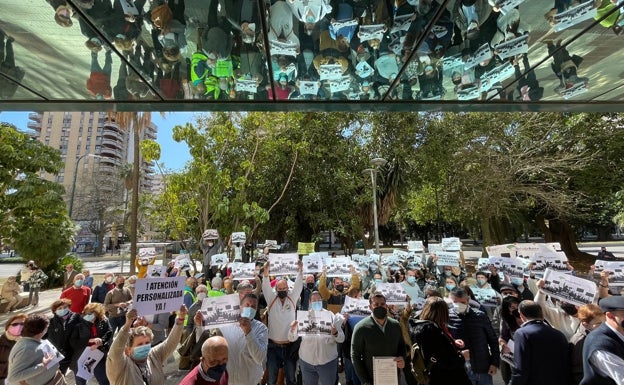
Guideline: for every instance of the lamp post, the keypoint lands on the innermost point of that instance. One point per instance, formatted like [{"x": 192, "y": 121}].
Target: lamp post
[
  {"x": 377, "y": 162},
  {"x": 73, "y": 193}
]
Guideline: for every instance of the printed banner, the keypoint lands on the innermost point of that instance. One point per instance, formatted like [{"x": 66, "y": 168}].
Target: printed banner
[
  {"x": 514, "y": 267},
  {"x": 285, "y": 48},
  {"x": 158, "y": 295},
  {"x": 575, "y": 15},
  {"x": 305, "y": 248},
  {"x": 568, "y": 288},
  {"x": 312, "y": 264},
  {"x": 356, "y": 306},
  {"x": 314, "y": 322},
  {"x": 338, "y": 267},
  {"x": 448, "y": 258},
  {"x": 284, "y": 264},
  {"x": 341, "y": 84},
  {"x": 242, "y": 271},
  {"x": 394, "y": 292},
  {"x": 555, "y": 260},
  {"x": 87, "y": 362},
  {"x": 220, "y": 311}
]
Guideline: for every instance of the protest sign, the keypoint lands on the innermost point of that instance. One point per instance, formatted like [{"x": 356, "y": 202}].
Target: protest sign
[
  {"x": 156, "y": 271},
  {"x": 87, "y": 362},
  {"x": 434, "y": 248},
  {"x": 322, "y": 254},
  {"x": 312, "y": 264},
  {"x": 568, "y": 288},
  {"x": 370, "y": 32},
  {"x": 147, "y": 252},
  {"x": 483, "y": 264},
  {"x": 285, "y": 48},
  {"x": 330, "y": 71},
  {"x": 314, "y": 322},
  {"x": 158, "y": 295},
  {"x": 556, "y": 246},
  {"x": 129, "y": 8},
  {"x": 415, "y": 246},
  {"x": 451, "y": 244},
  {"x": 284, "y": 264},
  {"x": 48, "y": 349},
  {"x": 271, "y": 244},
  {"x": 514, "y": 267},
  {"x": 508, "y": 5},
  {"x": 362, "y": 262},
  {"x": 555, "y": 260},
  {"x": 450, "y": 62},
  {"x": 246, "y": 85},
  {"x": 336, "y": 25},
  {"x": 526, "y": 250},
  {"x": 308, "y": 87},
  {"x": 599, "y": 266},
  {"x": 575, "y": 15},
  {"x": 356, "y": 306},
  {"x": 482, "y": 53},
  {"x": 341, "y": 84},
  {"x": 469, "y": 93},
  {"x": 394, "y": 292},
  {"x": 210, "y": 234},
  {"x": 401, "y": 254},
  {"x": 486, "y": 297},
  {"x": 305, "y": 248},
  {"x": 364, "y": 69},
  {"x": 508, "y": 357},
  {"x": 415, "y": 258},
  {"x": 391, "y": 261},
  {"x": 496, "y": 261},
  {"x": 182, "y": 262},
  {"x": 338, "y": 267},
  {"x": 220, "y": 311},
  {"x": 241, "y": 271},
  {"x": 507, "y": 250},
  {"x": 448, "y": 258},
  {"x": 401, "y": 23},
  {"x": 513, "y": 47},
  {"x": 575, "y": 90},
  {"x": 616, "y": 272},
  {"x": 496, "y": 75},
  {"x": 219, "y": 259},
  {"x": 239, "y": 237}
]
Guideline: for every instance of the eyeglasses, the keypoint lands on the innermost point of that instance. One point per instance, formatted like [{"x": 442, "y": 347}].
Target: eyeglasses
[{"x": 17, "y": 324}]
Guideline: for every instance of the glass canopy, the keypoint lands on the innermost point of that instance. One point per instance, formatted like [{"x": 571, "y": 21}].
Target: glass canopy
[{"x": 311, "y": 54}]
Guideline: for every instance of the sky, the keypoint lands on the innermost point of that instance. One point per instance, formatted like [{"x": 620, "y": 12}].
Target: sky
[{"x": 174, "y": 155}]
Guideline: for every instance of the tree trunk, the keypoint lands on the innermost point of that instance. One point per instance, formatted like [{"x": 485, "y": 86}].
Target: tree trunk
[
  {"x": 559, "y": 230},
  {"x": 496, "y": 231},
  {"x": 134, "y": 210}
]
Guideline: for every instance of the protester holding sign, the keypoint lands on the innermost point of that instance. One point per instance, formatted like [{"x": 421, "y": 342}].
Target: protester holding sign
[
  {"x": 561, "y": 317},
  {"x": 62, "y": 323},
  {"x": 132, "y": 360},
  {"x": 336, "y": 296},
  {"x": 92, "y": 332}
]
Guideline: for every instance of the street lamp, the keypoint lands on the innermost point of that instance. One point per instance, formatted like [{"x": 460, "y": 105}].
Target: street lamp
[
  {"x": 73, "y": 193},
  {"x": 377, "y": 162}
]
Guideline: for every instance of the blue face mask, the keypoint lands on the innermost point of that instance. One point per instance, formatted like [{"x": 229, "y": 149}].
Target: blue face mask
[
  {"x": 140, "y": 353},
  {"x": 377, "y": 280},
  {"x": 517, "y": 281},
  {"x": 216, "y": 372},
  {"x": 248, "y": 312},
  {"x": 316, "y": 305},
  {"x": 411, "y": 279},
  {"x": 450, "y": 286},
  {"x": 61, "y": 312},
  {"x": 88, "y": 317},
  {"x": 79, "y": 283}
]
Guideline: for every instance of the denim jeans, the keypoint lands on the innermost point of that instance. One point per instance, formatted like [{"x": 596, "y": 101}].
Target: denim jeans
[
  {"x": 117, "y": 322},
  {"x": 277, "y": 357},
  {"x": 100, "y": 374},
  {"x": 350, "y": 374},
  {"x": 312, "y": 374},
  {"x": 480, "y": 378}
]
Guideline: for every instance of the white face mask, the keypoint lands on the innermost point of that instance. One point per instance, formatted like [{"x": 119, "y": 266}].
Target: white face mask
[
  {"x": 460, "y": 308},
  {"x": 201, "y": 296}
]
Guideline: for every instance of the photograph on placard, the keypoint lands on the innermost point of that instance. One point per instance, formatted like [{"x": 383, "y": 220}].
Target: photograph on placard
[
  {"x": 219, "y": 260},
  {"x": 284, "y": 264},
  {"x": 156, "y": 271},
  {"x": 338, "y": 267},
  {"x": 568, "y": 288},
  {"x": 356, "y": 306},
  {"x": 555, "y": 260},
  {"x": 220, "y": 311},
  {"x": 241, "y": 271},
  {"x": 313, "y": 322},
  {"x": 394, "y": 292}
]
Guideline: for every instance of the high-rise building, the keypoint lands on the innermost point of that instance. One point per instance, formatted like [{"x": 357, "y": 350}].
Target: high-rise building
[{"x": 95, "y": 151}]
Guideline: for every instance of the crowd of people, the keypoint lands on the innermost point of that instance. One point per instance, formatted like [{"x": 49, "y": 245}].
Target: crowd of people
[
  {"x": 321, "y": 49},
  {"x": 530, "y": 338}
]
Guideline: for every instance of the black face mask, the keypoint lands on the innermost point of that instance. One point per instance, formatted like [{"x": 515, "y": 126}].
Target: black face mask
[
  {"x": 282, "y": 294},
  {"x": 216, "y": 372},
  {"x": 310, "y": 285},
  {"x": 120, "y": 286},
  {"x": 569, "y": 309},
  {"x": 340, "y": 288},
  {"x": 380, "y": 312}
]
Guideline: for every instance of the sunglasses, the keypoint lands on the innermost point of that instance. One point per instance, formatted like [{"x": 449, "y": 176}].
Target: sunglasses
[{"x": 17, "y": 324}]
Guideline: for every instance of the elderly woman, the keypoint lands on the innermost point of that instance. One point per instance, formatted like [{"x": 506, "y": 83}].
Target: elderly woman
[
  {"x": 10, "y": 292},
  {"x": 13, "y": 331},
  {"x": 92, "y": 332},
  {"x": 132, "y": 360},
  {"x": 29, "y": 361},
  {"x": 61, "y": 327}
]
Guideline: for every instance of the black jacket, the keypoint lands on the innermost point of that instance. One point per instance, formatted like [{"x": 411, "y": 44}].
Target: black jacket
[
  {"x": 81, "y": 334},
  {"x": 475, "y": 329},
  {"x": 605, "y": 339},
  {"x": 59, "y": 333}
]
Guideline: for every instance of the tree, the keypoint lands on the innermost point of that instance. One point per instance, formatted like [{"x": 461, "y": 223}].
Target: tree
[{"x": 32, "y": 211}]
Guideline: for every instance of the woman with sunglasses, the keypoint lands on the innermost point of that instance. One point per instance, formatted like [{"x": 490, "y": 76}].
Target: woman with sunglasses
[
  {"x": 92, "y": 332},
  {"x": 13, "y": 331}
]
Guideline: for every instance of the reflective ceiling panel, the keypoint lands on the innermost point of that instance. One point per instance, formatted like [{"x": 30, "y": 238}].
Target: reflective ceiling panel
[{"x": 312, "y": 54}]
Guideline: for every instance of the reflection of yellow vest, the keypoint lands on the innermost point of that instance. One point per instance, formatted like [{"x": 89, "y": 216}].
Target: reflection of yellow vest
[
  {"x": 194, "y": 297},
  {"x": 197, "y": 58}
]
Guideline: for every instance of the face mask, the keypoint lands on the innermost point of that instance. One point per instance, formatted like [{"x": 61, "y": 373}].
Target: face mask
[
  {"x": 481, "y": 281},
  {"x": 201, "y": 296},
  {"x": 310, "y": 19},
  {"x": 78, "y": 283},
  {"x": 120, "y": 286},
  {"x": 450, "y": 286},
  {"x": 448, "y": 273},
  {"x": 248, "y": 312},
  {"x": 517, "y": 281},
  {"x": 569, "y": 309},
  {"x": 16, "y": 330},
  {"x": 340, "y": 288},
  {"x": 109, "y": 279},
  {"x": 378, "y": 280},
  {"x": 431, "y": 283},
  {"x": 316, "y": 305},
  {"x": 88, "y": 317},
  {"x": 411, "y": 280},
  {"x": 216, "y": 372},
  {"x": 282, "y": 294},
  {"x": 218, "y": 275},
  {"x": 140, "y": 353},
  {"x": 210, "y": 244},
  {"x": 310, "y": 285},
  {"x": 460, "y": 308},
  {"x": 380, "y": 312},
  {"x": 61, "y": 312}
]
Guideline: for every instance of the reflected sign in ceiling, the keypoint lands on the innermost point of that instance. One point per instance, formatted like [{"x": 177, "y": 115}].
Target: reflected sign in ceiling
[{"x": 311, "y": 54}]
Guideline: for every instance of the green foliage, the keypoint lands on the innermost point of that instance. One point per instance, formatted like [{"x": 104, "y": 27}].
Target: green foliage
[{"x": 55, "y": 271}]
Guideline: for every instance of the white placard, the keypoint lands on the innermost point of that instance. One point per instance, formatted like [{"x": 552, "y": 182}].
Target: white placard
[
  {"x": 508, "y": 5},
  {"x": 469, "y": 93},
  {"x": 338, "y": 267},
  {"x": 312, "y": 264},
  {"x": 575, "y": 90},
  {"x": 363, "y": 262},
  {"x": 496, "y": 261},
  {"x": 599, "y": 266},
  {"x": 394, "y": 292},
  {"x": 147, "y": 252},
  {"x": 341, "y": 84},
  {"x": 336, "y": 25},
  {"x": 129, "y": 8},
  {"x": 391, "y": 261},
  {"x": 513, "y": 47},
  {"x": 330, "y": 71},
  {"x": 568, "y": 288},
  {"x": 239, "y": 237},
  {"x": 451, "y": 244},
  {"x": 616, "y": 272},
  {"x": 483, "y": 53},
  {"x": 210, "y": 234},
  {"x": 356, "y": 306},
  {"x": 415, "y": 246},
  {"x": 219, "y": 259},
  {"x": 496, "y": 75},
  {"x": 246, "y": 85},
  {"x": 271, "y": 244},
  {"x": 507, "y": 250},
  {"x": 241, "y": 271},
  {"x": 284, "y": 48},
  {"x": 575, "y": 15},
  {"x": 401, "y": 254},
  {"x": 483, "y": 264},
  {"x": 182, "y": 262},
  {"x": 486, "y": 297},
  {"x": 385, "y": 371},
  {"x": 370, "y": 32},
  {"x": 47, "y": 348},
  {"x": 509, "y": 357},
  {"x": 401, "y": 23},
  {"x": 555, "y": 260},
  {"x": 450, "y": 62},
  {"x": 158, "y": 295},
  {"x": 220, "y": 311},
  {"x": 314, "y": 322},
  {"x": 307, "y": 87},
  {"x": 434, "y": 248},
  {"x": 514, "y": 267},
  {"x": 364, "y": 69},
  {"x": 284, "y": 264},
  {"x": 448, "y": 258},
  {"x": 88, "y": 360},
  {"x": 156, "y": 271}
]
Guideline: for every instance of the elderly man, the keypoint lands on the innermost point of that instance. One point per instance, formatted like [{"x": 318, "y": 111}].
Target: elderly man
[
  {"x": 603, "y": 352},
  {"x": 99, "y": 293},
  {"x": 69, "y": 276},
  {"x": 211, "y": 369},
  {"x": 78, "y": 294}
]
